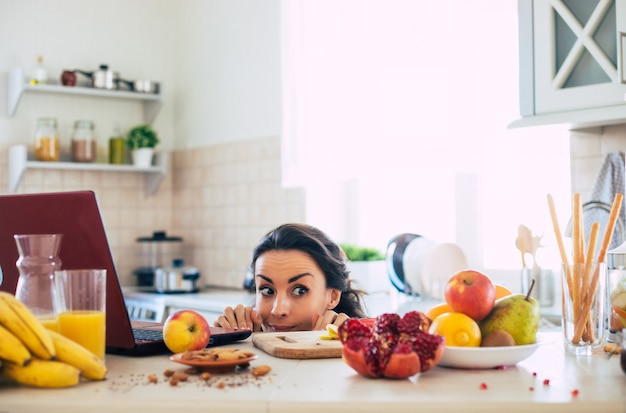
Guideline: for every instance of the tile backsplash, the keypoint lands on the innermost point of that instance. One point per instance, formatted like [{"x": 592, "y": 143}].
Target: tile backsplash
[
  {"x": 587, "y": 151},
  {"x": 221, "y": 199}
]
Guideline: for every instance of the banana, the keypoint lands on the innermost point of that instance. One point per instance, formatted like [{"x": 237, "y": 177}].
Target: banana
[
  {"x": 331, "y": 333},
  {"x": 12, "y": 349},
  {"x": 70, "y": 352},
  {"x": 43, "y": 373},
  {"x": 19, "y": 320}
]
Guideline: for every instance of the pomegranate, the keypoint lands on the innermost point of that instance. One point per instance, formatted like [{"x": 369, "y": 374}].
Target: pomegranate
[{"x": 391, "y": 346}]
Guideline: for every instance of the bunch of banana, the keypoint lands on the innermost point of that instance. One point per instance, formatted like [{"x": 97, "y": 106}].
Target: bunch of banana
[
  {"x": 17, "y": 318},
  {"x": 32, "y": 355}
]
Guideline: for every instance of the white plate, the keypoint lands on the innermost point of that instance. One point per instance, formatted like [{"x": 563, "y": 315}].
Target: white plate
[
  {"x": 414, "y": 255},
  {"x": 485, "y": 357},
  {"x": 441, "y": 263}
]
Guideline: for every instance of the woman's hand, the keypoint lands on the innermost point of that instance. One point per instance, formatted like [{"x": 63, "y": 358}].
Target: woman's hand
[
  {"x": 329, "y": 317},
  {"x": 241, "y": 317}
]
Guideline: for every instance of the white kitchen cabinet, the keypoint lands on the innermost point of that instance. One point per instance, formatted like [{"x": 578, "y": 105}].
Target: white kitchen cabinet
[
  {"x": 18, "y": 163},
  {"x": 572, "y": 62},
  {"x": 17, "y": 85},
  {"x": 210, "y": 302}
]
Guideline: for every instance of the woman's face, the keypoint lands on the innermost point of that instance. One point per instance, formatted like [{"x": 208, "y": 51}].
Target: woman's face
[{"x": 291, "y": 291}]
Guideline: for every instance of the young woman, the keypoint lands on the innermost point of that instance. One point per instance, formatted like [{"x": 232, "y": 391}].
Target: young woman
[{"x": 302, "y": 283}]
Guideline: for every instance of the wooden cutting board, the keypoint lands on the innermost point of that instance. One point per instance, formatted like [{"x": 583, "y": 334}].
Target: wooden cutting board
[{"x": 297, "y": 345}]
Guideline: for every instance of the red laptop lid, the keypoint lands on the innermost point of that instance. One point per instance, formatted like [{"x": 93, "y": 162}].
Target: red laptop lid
[{"x": 84, "y": 245}]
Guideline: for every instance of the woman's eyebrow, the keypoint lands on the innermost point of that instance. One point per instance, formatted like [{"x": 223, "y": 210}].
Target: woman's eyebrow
[
  {"x": 268, "y": 279},
  {"x": 290, "y": 280},
  {"x": 297, "y": 277}
]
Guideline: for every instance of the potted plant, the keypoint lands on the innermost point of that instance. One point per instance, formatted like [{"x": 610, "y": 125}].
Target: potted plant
[
  {"x": 141, "y": 140},
  {"x": 367, "y": 267}
]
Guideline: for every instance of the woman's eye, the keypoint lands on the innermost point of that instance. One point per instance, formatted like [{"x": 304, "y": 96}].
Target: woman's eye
[
  {"x": 266, "y": 291},
  {"x": 300, "y": 290}
]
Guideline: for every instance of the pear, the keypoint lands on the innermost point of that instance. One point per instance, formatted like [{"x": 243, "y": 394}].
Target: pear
[{"x": 517, "y": 314}]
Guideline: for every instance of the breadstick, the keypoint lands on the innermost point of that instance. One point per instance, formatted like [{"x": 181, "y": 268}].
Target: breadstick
[
  {"x": 576, "y": 227},
  {"x": 557, "y": 230},
  {"x": 579, "y": 254},
  {"x": 584, "y": 286},
  {"x": 586, "y": 306},
  {"x": 559, "y": 241},
  {"x": 610, "y": 226}
]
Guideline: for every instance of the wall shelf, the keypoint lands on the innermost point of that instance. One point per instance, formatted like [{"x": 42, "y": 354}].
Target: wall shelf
[
  {"x": 18, "y": 163},
  {"x": 17, "y": 85}
]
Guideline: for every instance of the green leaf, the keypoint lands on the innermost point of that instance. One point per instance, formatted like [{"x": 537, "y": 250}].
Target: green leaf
[
  {"x": 358, "y": 253},
  {"x": 142, "y": 136}
]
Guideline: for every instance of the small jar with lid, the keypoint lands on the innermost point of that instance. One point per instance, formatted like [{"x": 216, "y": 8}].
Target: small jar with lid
[
  {"x": 47, "y": 144},
  {"x": 83, "y": 142}
]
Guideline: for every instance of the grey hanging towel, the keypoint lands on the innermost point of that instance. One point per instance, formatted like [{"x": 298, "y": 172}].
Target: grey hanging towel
[{"x": 609, "y": 181}]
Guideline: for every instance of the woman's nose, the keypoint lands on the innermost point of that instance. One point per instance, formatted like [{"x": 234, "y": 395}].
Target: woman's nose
[{"x": 281, "y": 306}]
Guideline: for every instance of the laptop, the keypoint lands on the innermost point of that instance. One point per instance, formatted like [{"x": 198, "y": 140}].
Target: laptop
[{"x": 76, "y": 215}]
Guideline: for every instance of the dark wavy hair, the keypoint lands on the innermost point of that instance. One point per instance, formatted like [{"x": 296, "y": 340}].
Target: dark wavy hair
[{"x": 326, "y": 253}]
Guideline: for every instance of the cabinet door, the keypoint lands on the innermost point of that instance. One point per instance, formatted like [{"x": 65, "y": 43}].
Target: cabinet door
[{"x": 578, "y": 54}]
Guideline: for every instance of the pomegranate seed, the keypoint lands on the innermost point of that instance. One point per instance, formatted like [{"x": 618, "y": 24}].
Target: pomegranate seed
[
  {"x": 575, "y": 392},
  {"x": 546, "y": 382},
  {"x": 531, "y": 388},
  {"x": 534, "y": 374},
  {"x": 483, "y": 386}
]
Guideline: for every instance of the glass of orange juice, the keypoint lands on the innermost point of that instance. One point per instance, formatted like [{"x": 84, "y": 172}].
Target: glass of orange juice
[{"x": 81, "y": 307}]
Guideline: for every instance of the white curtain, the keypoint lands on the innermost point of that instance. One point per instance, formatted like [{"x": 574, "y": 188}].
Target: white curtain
[
  {"x": 406, "y": 100},
  {"x": 357, "y": 74}
]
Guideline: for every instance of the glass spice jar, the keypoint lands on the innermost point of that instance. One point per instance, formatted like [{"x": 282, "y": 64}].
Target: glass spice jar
[
  {"x": 47, "y": 144},
  {"x": 116, "y": 146},
  {"x": 83, "y": 142}
]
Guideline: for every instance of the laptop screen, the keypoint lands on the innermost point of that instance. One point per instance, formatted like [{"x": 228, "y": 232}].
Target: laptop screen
[{"x": 84, "y": 245}]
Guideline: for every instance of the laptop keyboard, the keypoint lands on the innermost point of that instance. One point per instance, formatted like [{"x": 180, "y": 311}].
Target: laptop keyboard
[{"x": 147, "y": 335}]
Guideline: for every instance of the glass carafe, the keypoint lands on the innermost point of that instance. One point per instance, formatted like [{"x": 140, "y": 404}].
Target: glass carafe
[{"x": 38, "y": 260}]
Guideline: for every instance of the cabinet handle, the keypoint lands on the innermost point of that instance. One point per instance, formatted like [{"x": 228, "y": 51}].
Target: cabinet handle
[{"x": 621, "y": 58}]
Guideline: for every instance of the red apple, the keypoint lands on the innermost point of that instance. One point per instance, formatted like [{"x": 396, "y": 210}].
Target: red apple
[
  {"x": 471, "y": 293},
  {"x": 186, "y": 330}
]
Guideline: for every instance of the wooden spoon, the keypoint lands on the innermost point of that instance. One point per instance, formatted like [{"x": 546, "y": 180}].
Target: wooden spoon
[{"x": 523, "y": 242}]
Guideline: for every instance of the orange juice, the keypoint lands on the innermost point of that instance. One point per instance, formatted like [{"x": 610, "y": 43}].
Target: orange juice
[
  {"x": 86, "y": 327},
  {"x": 50, "y": 324}
]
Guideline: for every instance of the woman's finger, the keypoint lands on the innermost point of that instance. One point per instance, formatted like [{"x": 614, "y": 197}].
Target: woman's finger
[
  {"x": 240, "y": 316},
  {"x": 341, "y": 317},
  {"x": 222, "y": 321},
  {"x": 257, "y": 321},
  {"x": 328, "y": 318}
]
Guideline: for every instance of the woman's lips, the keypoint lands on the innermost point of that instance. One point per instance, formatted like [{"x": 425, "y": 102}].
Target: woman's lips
[{"x": 280, "y": 329}]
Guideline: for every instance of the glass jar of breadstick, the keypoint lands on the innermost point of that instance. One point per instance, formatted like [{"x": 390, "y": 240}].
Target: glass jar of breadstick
[{"x": 585, "y": 279}]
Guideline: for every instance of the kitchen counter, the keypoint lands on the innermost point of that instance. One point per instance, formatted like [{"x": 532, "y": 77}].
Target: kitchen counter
[
  {"x": 207, "y": 299},
  {"x": 143, "y": 304},
  {"x": 330, "y": 385}
]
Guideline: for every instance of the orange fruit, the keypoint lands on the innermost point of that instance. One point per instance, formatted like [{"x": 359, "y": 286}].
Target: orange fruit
[
  {"x": 502, "y": 291},
  {"x": 437, "y": 310},
  {"x": 458, "y": 329}
]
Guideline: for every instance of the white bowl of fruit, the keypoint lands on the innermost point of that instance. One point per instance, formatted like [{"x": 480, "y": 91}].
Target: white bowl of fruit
[{"x": 484, "y": 324}]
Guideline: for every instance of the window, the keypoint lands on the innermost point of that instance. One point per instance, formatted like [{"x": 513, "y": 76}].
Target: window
[{"x": 395, "y": 120}]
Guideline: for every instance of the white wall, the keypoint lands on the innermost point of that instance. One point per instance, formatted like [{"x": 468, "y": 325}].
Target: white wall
[
  {"x": 219, "y": 62},
  {"x": 228, "y": 71}
]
